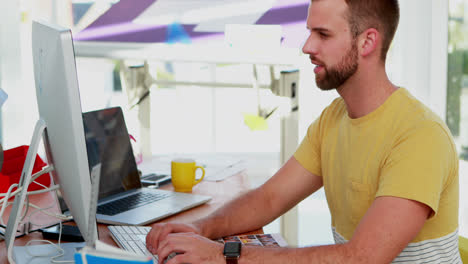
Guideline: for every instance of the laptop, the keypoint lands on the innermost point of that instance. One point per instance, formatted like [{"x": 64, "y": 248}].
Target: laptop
[{"x": 122, "y": 199}]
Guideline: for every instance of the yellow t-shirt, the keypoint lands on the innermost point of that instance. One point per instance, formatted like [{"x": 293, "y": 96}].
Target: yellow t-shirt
[{"x": 401, "y": 149}]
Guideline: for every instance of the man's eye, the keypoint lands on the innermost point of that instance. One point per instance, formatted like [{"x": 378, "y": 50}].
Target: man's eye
[{"x": 323, "y": 35}]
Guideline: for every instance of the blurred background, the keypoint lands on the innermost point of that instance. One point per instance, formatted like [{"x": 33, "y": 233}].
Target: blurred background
[{"x": 429, "y": 57}]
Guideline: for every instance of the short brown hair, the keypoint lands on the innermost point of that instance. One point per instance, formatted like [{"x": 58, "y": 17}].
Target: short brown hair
[{"x": 382, "y": 15}]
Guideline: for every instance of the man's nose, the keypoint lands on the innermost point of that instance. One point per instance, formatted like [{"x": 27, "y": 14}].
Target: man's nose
[{"x": 310, "y": 46}]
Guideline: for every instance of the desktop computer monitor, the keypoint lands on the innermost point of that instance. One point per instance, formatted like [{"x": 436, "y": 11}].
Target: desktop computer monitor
[
  {"x": 61, "y": 127},
  {"x": 59, "y": 104}
]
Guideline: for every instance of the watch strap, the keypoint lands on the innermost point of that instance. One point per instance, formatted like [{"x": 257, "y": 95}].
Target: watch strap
[{"x": 231, "y": 260}]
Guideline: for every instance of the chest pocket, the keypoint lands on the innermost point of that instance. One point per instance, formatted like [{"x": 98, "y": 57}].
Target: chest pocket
[{"x": 359, "y": 197}]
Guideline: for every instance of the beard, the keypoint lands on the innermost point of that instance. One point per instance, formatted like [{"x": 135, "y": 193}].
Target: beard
[{"x": 335, "y": 76}]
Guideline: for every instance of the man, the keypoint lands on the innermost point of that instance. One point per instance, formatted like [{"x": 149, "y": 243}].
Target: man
[{"x": 388, "y": 164}]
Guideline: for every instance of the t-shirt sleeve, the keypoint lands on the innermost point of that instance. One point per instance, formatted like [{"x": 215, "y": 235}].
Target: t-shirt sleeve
[
  {"x": 308, "y": 152},
  {"x": 419, "y": 166}
]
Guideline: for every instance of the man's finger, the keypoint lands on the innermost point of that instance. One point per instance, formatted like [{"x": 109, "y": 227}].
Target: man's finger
[{"x": 180, "y": 258}]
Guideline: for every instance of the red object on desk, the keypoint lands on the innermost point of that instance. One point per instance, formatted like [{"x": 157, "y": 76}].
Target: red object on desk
[{"x": 13, "y": 163}]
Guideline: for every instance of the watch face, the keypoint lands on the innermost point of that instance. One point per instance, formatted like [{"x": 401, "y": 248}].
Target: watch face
[{"x": 232, "y": 249}]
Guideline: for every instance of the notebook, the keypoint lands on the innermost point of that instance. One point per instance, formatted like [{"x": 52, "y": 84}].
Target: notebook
[{"x": 122, "y": 199}]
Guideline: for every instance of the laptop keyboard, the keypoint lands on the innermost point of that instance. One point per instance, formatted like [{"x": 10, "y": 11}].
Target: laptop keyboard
[
  {"x": 130, "y": 202},
  {"x": 133, "y": 239},
  {"x": 153, "y": 177}
]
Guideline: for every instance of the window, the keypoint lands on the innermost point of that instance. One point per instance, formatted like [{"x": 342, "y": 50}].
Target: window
[
  {"x": 457, "y": 96},
  {"x": 457, "y": 81}
]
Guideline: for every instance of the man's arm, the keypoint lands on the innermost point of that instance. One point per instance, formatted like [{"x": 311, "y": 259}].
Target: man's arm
[
  {"x": 251, "y": 211},
  {"x": 386, "y": 229},
  {"x": 290, "y": 185}
]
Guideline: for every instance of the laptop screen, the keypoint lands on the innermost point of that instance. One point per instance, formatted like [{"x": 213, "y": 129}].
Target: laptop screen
[{"x": 108, "y": 143}]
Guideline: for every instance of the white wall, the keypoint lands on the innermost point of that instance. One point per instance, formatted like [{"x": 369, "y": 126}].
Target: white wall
[
  {"x": 418, "y": 58},
  {"x": 19, "y": 113},
  {"x": 17, "y": 108}
]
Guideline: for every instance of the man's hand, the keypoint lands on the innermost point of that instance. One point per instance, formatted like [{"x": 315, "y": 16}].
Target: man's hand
[
  {"x": 190, "y": 248},
  {"x": 159, "y": 233}
]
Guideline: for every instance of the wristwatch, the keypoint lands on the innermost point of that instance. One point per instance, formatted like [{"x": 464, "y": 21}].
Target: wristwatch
[{"x": 232, "y": 251}]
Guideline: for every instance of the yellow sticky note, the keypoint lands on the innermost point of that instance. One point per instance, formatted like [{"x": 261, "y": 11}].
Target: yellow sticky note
[{"x": 255, "y": 122}]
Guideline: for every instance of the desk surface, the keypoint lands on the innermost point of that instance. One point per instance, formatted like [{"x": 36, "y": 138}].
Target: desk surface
[{"x": 221, "y": 192}]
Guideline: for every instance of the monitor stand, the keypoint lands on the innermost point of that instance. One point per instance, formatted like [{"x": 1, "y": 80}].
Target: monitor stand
[
  {"x": 44, "y": 253},
  {"x": 26, "y": 175}
]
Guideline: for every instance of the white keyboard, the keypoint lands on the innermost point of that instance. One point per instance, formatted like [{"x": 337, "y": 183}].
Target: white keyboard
[{"x": 133, "y": 238}]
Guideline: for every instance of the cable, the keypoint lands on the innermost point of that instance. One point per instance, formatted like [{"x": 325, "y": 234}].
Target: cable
[
  {"x": 27, "y": 226},
  {"x": 43, "y": 210},
  {"x": 40, "y": 184},
  {"x": 42, "y": 255},
  {"x": 51, "y": 188},
  {"x": 46, "y": 169},
  {"x": 5, "y": 202},
  {"x": 10, "y": 194},
  {"x": 61, "y": 251},
  {"x": 57, "y": 246},
  {"x": 27, "y": 229}
]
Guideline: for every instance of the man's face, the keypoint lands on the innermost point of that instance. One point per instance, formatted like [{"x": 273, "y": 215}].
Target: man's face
[{"x": 330, "y": 45}]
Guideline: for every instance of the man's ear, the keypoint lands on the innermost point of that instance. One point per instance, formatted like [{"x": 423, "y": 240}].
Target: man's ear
[{"x": 368, "y": 41}]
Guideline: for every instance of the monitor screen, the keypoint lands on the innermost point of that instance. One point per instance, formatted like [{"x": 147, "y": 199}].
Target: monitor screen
[{"x": 108, "y": 143}]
